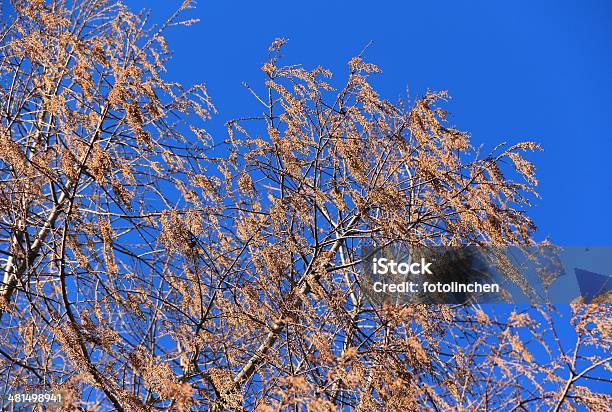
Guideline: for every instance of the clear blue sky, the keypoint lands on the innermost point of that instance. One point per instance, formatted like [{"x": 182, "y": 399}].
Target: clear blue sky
[{"x": 516, "y": 70}]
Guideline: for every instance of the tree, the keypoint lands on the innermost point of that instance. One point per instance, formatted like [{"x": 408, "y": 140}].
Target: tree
[{"x": 148, "y": 266}]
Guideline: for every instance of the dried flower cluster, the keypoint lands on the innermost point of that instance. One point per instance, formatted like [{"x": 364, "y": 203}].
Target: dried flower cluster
[{"x": 145, "y": 268}]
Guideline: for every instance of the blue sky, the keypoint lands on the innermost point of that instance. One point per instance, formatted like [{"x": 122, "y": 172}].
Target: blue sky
[{"x": 517, "y": 70}]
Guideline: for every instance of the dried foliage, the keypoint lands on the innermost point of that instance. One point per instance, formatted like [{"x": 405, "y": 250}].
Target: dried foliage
[{"x": 145, "y": 268}]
